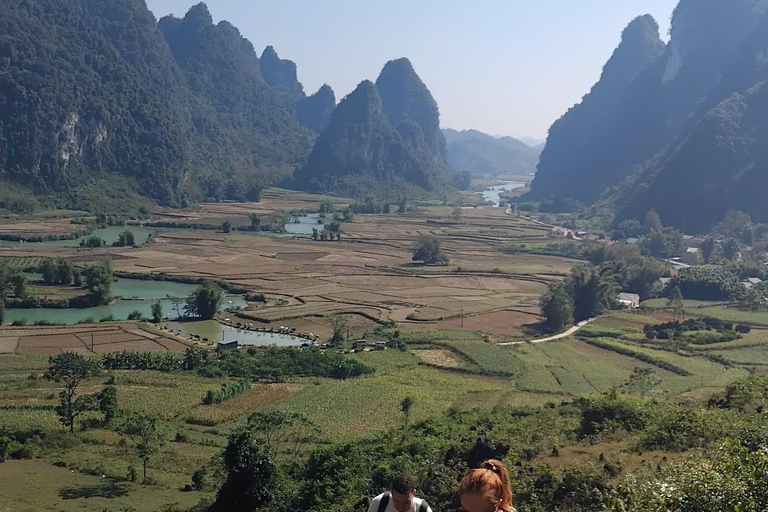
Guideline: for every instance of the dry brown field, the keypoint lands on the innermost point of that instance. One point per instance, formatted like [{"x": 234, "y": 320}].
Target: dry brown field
[
  {"x": 85, "y": 339},
  {"x": 368, "y": 274}
]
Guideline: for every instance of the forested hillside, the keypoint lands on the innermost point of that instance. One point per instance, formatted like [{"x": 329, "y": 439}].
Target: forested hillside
[
  {"x": 681, "y": 124},
  {"x": 382, "y": 139},
  {"x": 479, "y": 153},
  {"x": 99, "y": 104}
]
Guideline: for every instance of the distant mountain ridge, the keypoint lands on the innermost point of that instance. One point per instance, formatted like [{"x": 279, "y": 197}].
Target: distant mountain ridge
[
  {"x": 382, "y": 138},
  {"x": 679, "y": 129},
  {"x": 480, "y": 153}
]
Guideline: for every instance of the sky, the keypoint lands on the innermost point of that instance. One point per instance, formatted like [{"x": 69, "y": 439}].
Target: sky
[{"x": 504, "y": 67}]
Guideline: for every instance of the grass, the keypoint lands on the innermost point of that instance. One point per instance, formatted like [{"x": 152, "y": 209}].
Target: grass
[
  {"x": 360, "y": 407},
  {"x": 716, "y": 309},
  {"x": 490, "y": 358}
]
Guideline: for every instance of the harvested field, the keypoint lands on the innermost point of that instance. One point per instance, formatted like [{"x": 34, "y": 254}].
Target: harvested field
[
  {"x": 443, "y": 358},
  {"x": 368, "y": 273},
  {"x": 500, "y": 322},
  {"x": 98, "y": 339}
]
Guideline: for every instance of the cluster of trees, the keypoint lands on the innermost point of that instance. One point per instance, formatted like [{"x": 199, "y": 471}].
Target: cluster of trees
[
  {"x": 428, "y": 250},
  {"x": 60, "y": 272},
  {"x": 271, "y": 365},
  {"x": 228, "y": 390},
  {"x": 125, "y": 239},
  {"x": 205, "y": 301},
  {"x": 585, "y": 294},
  {"x": 705, "y": 283},
  {"x": 699, "y": 331},
  {"x": 13, "y": 282}
]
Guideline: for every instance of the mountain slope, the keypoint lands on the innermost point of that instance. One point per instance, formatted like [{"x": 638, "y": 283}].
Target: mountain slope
[
  {"x": 97, "y": 104},
  {"x": 479, "y": 153},
  {"x": 410, "y": 107},
  {"x": 623, "y": 124},
  {"x": 722, "y": 163},
  {"x": 315, "y": 111},
  {"x": 85, "y": 96},
  {"x": 281, "y": 74},
  {"x": 377, "y": 147},
  {"x": 246, "y": 129},
  {"x": 586, "y": 146}
]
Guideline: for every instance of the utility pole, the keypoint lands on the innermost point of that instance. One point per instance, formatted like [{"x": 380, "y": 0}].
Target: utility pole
[
  {"x": 462, "y": 317},
  {"x": 92, "y": 342}
]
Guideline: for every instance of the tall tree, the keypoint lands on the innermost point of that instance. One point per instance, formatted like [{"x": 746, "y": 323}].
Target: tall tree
[
  {"x": 251, "y": 475},
  {"x": 592, "y": 291},
  {"x": 708, "y": 247},
  {"x": 71, "y": 369},
  {"x": 653, "y": 221},
  {"x": 146, "y": 433},
  {"x": 557, "y": 307},
  {"x": 675, "y": 303},
  {"x": 405, "y": 407},
  {"x": 204, "y": 301},
  {"x": 157, "y": 312}
]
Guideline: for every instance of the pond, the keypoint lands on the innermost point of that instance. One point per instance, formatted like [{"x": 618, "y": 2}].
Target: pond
[
  {"x": 493, "y": 194},
  {"x": 124, "y": 289},
  {"x": 306, "y": 224},
  {"x": 217, "y": 332}
]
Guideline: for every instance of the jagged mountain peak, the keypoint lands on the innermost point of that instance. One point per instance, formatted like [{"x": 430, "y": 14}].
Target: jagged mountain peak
[
  {"x": 281, "y": 74},
  {"x": 315, "y": 111}
]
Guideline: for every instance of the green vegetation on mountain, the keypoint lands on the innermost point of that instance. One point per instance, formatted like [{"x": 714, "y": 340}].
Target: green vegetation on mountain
[
  {"x": 683, "y": 132},
  {"x": 369, "y": 148},
  {"x": 479, "y": 153},
  {"x": 315, "y": 111},
  {"x": 281, "y": 74},
  {"x": 98, "y": 105}
]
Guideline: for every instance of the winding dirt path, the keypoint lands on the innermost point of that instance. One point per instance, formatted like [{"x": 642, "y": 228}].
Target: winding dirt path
[{"x": 560, "y": 336}]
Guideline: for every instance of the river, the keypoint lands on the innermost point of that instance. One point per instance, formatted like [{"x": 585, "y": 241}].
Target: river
[{"x": 493, "y": 194}]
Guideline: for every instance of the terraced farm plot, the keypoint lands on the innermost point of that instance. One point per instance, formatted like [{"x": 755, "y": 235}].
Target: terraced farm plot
[
  {"x": 441, "y": 358},
  {"x": 365, "y": 405},
  {"x": 258, "y": 397},
  {"x": 750, "y": 356},
  {"x": 702, "y": 373},
  {"x": 85, "y": 339}
]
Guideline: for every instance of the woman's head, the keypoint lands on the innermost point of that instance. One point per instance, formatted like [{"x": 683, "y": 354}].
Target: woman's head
[{"x": 486, "y": 489}]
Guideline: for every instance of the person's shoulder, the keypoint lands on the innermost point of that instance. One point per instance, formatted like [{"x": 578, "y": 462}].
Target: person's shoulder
[
  {"x": 417, "y": 502},
  {"x": 375, "y": 502},
  {"x": 379, "y": 497}
]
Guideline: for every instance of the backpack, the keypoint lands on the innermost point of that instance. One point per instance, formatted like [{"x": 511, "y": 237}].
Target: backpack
[{"x": 387, "y": 496}]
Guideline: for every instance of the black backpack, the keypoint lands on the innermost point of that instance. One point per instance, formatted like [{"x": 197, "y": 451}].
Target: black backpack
[{"x": 387, "y": 496}]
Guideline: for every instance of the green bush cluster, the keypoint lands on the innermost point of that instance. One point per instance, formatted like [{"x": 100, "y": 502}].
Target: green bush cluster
[{"x": 227, "y": 391}]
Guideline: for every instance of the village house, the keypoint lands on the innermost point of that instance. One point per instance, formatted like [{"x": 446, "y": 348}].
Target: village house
[
  {"x": 751, "y": 282},
  {"x": 691, "y": 256},
  {"x": 629, "y": 300},
  {"x": 560, "y": 232}
]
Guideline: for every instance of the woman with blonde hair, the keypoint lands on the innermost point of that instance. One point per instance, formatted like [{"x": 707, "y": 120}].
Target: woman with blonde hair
[{"x": 487, "y": 489}]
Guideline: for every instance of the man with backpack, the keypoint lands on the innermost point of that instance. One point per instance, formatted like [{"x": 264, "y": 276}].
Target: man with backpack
[{"x": 400, "y": 498}]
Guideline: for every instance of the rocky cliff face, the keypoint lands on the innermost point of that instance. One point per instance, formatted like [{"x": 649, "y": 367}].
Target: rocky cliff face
[
  {"x": 584, "y": 151},
  {"x": 602, "y": 141},
  {"x": 281, "y": 74},
  {"x": 410, "y": 107},
  {"x": 721, "y": 163},
  {"x": 315, "y": 111}
]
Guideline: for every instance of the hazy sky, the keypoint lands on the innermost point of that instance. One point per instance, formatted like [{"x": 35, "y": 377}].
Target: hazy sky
[{"x": 506, "y": 67}]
